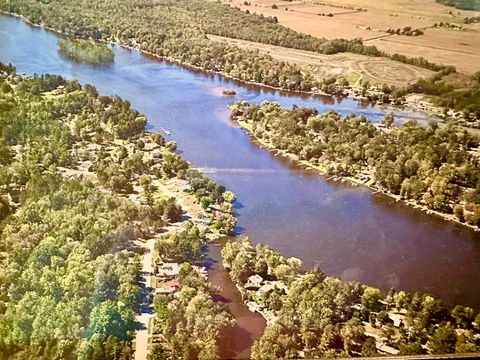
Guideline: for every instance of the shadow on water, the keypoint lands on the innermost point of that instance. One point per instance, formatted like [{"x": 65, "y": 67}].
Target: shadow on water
[{"x": 236, "y": 341}]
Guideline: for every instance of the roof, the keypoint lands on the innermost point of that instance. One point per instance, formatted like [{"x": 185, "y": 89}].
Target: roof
[
  {"x": 169, "y": 270},
  {"x": 255, "y": 279},
  {"x": 168, "y": 287},
  {"x": 271, "y": 285},
  {"x": 382, "y": 347},
  {"x": 397, "y": 319}
]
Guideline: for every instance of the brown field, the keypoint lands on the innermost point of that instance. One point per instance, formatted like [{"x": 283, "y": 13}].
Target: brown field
[
  {"x": 353, "y": 67},
  {"x": 439, "y": 45}
]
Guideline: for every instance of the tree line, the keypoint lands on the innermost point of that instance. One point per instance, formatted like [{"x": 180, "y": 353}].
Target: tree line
[
  {"x": 178, "y": 30},
  {"x": 461, "y": 4},
  {"x": 433, "y": 165}
]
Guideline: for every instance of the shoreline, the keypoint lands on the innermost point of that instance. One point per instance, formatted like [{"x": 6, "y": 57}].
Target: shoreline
[
  {"x": 354, "y": 181},
  {"x": 406, "y": 106}
]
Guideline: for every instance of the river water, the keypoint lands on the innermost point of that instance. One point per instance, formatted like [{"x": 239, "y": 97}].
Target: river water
[{"x": 347, "y": 230}]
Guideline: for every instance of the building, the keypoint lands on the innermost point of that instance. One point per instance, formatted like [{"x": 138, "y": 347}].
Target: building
[
  {"x": 167, "y": 287},
  {"x": 168, "y": 271},
  {"x": 254, "y": 282},
  {"x": 269, "y": 286}
]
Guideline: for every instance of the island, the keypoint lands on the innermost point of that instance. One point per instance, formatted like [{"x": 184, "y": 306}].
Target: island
[
  {"x": 229, "y": 92},
  {"x": 85, "y": 51}
]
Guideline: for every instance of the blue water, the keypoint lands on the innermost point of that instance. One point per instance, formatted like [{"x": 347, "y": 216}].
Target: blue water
[{"x": 348, "y": 231}]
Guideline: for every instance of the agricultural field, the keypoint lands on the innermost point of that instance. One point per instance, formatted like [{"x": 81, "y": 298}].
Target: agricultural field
[
  {"x": 369, "y": 20},
  {"x": 353, "y": 67}
]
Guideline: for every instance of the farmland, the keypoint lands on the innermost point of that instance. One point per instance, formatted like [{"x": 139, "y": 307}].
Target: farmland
[
  {"x": 353, "y": 67},
  {"x": 370, "y": 20}
]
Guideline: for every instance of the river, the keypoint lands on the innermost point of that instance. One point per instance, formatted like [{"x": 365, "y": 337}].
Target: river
[{"x": 347, "y": 230}]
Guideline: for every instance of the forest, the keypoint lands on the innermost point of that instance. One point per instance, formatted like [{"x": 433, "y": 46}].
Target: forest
[
  {"x": 178, "y": 30},
  {"x": 71, "y": 160},
  {"x": 85, "y": 51},
  {"x": 461, "y": 4},
  {"x": 445, "y": 92},
  {"x": 434, "y": 166},
  {"x": 317, "y": 316}
]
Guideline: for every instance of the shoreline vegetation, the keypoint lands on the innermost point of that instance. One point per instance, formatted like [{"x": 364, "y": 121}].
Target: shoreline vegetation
[
  {"x": 85, "y": 51},
  {"x": 95, "y": 211},
  {"x": 362, "y": 153},
  {"x": 86, "y": 195},
  {"x": 194, "y": 49},
  {"x": 310, "y": 315}
]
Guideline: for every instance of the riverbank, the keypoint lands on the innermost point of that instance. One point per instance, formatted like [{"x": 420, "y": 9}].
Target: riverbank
[
  {"x": 123, "y": 162},
  {"x": 353, "y": 180},
  {"x": 351, "y": 92}
]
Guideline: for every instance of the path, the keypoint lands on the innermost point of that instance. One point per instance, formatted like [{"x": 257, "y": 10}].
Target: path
[{"x": 146, "y": 313}]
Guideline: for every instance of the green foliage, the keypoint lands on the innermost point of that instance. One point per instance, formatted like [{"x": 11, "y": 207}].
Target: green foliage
[
  {"x": 316, "y": 315},
  {"x": 462, "y": 4},
  {"x": 85, "y": 51},
  {"x": 184, "y": 245},
  {"x": 58, "y": 248},
  {"x": 430, "y": 165},
  {"x": 443, "y": 340},
  {"x": 190, "y": 325}
]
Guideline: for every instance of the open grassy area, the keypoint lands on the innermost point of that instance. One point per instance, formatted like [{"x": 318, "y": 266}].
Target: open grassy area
[
  {"x": 353, "y": 67},
  {"x": 369, "y": 20}
]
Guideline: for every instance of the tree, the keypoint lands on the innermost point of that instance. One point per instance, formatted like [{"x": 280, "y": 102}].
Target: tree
[
  {"x": 388, "y": 120},
  {"x": 369, "y": 348},
  {"x": 458, "y": 212},
  {"x": 267, "y": 347},
  {"x": 464, "y": 316},
  {"x": 371, "y": 297},
  {"x": 411, "y": 349},
  {"x": 443, "y": 340},
  {"x": 353, "y": 334},
  {"x": 400, "y": 299},
  {"x": 158, "y": 352}
]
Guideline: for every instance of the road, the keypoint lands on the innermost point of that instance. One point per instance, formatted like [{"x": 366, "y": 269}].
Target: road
[{"x": 142, "y": 335}]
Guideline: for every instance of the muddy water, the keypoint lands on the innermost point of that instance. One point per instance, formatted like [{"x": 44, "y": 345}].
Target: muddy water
[{"x": 236, "y": 341}]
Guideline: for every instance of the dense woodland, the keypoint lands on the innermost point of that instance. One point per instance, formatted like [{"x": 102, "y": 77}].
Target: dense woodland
[
  {"x": 85, "y": 51},
  {"x": 71, "y": 160},
  {"x": 462, "y": 4},
  {"x": 322, "y": 317},
  {"x": 436, "y": 166},
  {"x": 178, "y": 30}
]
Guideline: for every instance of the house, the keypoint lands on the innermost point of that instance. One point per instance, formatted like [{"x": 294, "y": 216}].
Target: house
[
  {"x": 254, "y": 282},
  {"x": 254, "y": 307},
  {"x": 269, "y": 286},
  {"x": 358, "y": 307},
  {"x": 266, "y": 288},
  {"x": 168, "y": 271},
  {"x": 398, "y": 319},
  {"x": 385, "y": 349},
  {"x": 167, "y": 287}
]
